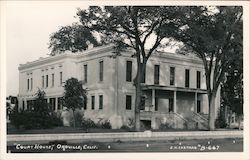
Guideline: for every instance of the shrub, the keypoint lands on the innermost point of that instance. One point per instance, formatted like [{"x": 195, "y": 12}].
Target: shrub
[
  {"x": 105, "y": 125},
  {"x": 220, "y": 122},
  {"x": 88, "y": 123},
  {"x": 165, "y": 126},
  {"x": 78, "y": 119},
  {"x": 39, "y": 117},
  {"x": 33, "y": 120},
  {"x": 125, "y": 127}
]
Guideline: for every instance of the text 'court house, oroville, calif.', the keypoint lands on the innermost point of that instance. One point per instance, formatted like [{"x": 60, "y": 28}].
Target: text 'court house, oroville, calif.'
[{"x": 174, "y": 89}]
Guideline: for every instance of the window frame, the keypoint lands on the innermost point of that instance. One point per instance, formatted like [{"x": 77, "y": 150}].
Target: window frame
[
  {"x": 101, "y": 70},
  {"x": 171, "y": 105},
  {"x": 198, "y": 79},
  {"x": 172, "y": 76},
  {"x": 187, "y": 78},
  {"x": 52, "y": 80},
  {"x": 129, "y": 70},
  {"x": 85, "y": 73},
  {"x": 47, "y": 81},
  {"x": 157, "y": 74},
  {"x": 92, "y": 102},
  {"x": 128, "y": 106},
  {"x": 100, "y": 102}
]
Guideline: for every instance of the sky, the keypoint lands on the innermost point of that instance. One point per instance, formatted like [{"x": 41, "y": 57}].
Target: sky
[{"x": 29, "y": 25}]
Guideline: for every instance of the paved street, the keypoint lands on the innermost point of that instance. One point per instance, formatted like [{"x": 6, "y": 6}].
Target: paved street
[{"x": 201, "y": 145}]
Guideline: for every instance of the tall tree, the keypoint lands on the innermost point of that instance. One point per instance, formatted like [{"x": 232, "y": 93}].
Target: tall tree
[
  {"x": 214, "y": 35},
  {"x": 71, "y": 38},
  {"x": 232, "y": 87},
  {"x": 74, "y": 95},
  {"x": 131, "y": 27}
]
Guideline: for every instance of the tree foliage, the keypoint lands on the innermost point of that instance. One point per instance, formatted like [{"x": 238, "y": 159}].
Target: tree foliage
[
  {"x": 72, "y": 38},
  {"x": 232, "y": 86},
  {"x": 216, "y": 36},
  {"x": 131, "y": 27},
  {"x": 74, "y": 95},
  {"x": 39, "y": 117}
]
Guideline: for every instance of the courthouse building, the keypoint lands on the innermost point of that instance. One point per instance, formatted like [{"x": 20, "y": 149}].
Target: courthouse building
[{"x": 174, "y": 90}]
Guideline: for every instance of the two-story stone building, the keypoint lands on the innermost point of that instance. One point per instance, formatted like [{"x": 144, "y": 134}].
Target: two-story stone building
[{"x": 174, "y": 88}]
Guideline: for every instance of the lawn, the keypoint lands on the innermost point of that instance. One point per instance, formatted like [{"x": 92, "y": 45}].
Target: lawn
[
  {"x": 62, "y": 129},
  {"x": 13, "y": 130}
]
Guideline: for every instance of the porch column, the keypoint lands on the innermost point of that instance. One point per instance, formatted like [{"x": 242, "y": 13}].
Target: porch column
[
  {"x": 25, "y": 104},
  {"x": 174, "y": 101},
  {"x": 195, "y": 102},
  {"x": 153, "y": 99},
  {"x": 56, "y": 99}
]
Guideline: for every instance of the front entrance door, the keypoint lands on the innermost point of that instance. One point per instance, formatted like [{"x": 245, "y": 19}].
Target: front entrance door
[{"x": 198, "y": 106}]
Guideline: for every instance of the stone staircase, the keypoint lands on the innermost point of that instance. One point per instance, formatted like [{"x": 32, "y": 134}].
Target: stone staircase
[{"x": 201, "y": 120}]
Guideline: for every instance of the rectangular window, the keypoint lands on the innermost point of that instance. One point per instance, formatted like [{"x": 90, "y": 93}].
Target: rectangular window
[
  {"x": 156, "y": 74},
  {"x": 156, "y": 103},
  {"x": 23, "y": 105},
  {"x": 198, "y": 106},
  {"x": 47, "y": 81},
  {"x": 129, "y": 71},
  {"x": 198, "y": 79},
  {"x": 128, "y": 102},
  {"x": 29, "y": 105},
  {"x": 142, "y": 106},
  {"x": 171, "y": 105},
  {"x": 172, "y": 75},
  {"x": 42, "y": 81},
  {"x": 53, "y": 78},
  {"x": 85, "y": 68},
  {"x": 31, "y": 83},
  {"x": 28, "y": 84},
  {"x": 187, "y": 78},
  {"x": 101, "y": 71},
  {"x": 60, "y": 78},
  {"x": 59, "y": 103},
  {"x": 100, "y": 102},
  {"x": 85, "y": 103},
  {"x": 92, "y": 102},
  {"x": 52, "y": 102}
]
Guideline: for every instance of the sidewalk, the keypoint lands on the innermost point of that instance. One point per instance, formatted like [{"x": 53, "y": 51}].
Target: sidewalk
[{"x": 124, "y": 136}]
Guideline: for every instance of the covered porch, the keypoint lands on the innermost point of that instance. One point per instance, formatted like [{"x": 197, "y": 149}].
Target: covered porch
[{"x": 175, "y": 105}]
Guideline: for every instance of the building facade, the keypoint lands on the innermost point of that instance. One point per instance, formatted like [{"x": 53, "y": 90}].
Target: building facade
[{"x": 174, "y": 91}]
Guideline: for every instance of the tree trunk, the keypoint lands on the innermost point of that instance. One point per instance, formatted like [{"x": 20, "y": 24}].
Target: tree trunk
[
  {"x": 74, "y": 121},
  {"x": 211, "y": 119},
  {"x": 230, "y": 119},
  {"x": 137, "y": 107},
  {"x": 138, "y": 80},
  {"x": 239, "y": 120}
]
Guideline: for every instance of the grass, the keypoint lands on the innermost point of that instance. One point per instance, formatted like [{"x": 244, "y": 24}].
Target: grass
[{"x": 12, "y": 130}]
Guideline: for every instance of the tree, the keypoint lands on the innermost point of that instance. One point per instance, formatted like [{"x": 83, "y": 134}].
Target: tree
[
  {"x": 71, "y": 38},
  {"x": 232, "y": 87},
  {"x": 132, "y": 27},
  {"x": 74, "y": 95},
  {"x": 40, "y": 104},
  {"x": 39, "y": 116},
  {"x": 214, "y": 35}
]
